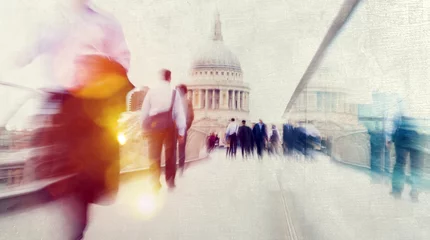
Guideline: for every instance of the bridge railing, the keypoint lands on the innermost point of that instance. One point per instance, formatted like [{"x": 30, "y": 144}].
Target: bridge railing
[
  {"x": 18, "y": 172},
  {"x": 134, "y": 154},
  {"x": 354, "y": 148}
]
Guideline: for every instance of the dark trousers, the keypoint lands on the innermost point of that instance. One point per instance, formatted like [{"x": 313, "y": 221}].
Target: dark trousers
[
  {"x": 233, "y": 144},
  {"x": 243, "y": 150},
  {"x": 249, "y": 148},
  {"x": 181, "y": 151},
  {"x": 407, "y": 143},
  {"x": 80, "y": 192},
  {"x": 260, "y": 145},
  {"x": 78, "y": 208},
  {"x": 285, "y": 148},
  {"x": 156, "y": 142},
  {"x": 288, "y": 147},
  {"x": 246, "y": 149},
  {"x": 416, "y": 158},
  {"x": 252, "y": 147}
]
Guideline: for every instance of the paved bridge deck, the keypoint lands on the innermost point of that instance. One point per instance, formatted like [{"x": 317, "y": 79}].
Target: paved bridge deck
[{"x": 224, "y": 199}]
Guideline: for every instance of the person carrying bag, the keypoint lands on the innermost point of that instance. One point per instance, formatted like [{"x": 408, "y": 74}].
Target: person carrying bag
[{"x": 161, "y": 120}]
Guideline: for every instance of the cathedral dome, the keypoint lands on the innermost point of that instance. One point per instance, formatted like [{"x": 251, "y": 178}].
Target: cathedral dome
[{"x": 215, "y": 54}]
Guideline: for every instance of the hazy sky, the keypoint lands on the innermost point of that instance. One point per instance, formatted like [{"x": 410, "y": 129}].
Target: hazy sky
[{"x": 273, "y": 39}]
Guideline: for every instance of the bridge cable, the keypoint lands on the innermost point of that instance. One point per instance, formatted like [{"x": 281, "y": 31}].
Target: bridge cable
[{"x": 342, "y": 17}]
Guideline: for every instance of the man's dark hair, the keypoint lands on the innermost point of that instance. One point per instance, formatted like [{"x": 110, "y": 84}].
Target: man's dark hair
[
  {"x": 243, "y": 121},
  {"x": 167, "y": 75},
  {"x": 182, "y": 88},
  {"x": 232, "y": 119}
]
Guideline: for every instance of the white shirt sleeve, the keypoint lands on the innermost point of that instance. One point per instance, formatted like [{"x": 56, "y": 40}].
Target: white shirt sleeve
[
  {"x": 227, "y": 131},
  {"x": 232, "y": 128},
  {"x": 179, "y": 114},
  {"x": 146, "y": 106},
  {"x": 117, "y": 46}
]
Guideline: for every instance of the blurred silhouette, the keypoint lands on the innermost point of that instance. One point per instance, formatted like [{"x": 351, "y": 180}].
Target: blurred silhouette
[
  {"x": 408, "y": 135},
  {"x": 300, "y": 139},
  {"x": 216, "y": 140},
  {"x": 275, "y": 141},
  {"x": 407, "y": 125},
  {"x": 81, "y": 140},
  {"x": 288, "y": 138},
  {"x": 253, "y": 139},
  {"x": 211, "y": 141},
  {"x": 374, "y": 118},
  {"x": 78, "y": 30},
  {"x": 260, "y": 137},
  {"x": 231, "y": 135},
  {"x": 313, "y": 140},
  {"x": 189, "y": 113},
  {"x": 90, "y": 65},
  {"x": 227, "y": 146},
  {"x": 246, "y": 139},
  {"x": 161, "y": 109}
]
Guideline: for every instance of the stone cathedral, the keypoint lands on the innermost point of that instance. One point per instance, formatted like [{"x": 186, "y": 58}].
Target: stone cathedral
[{"x": 217, "y": 89}]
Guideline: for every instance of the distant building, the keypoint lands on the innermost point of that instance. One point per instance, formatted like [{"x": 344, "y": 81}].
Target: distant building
[
  {"x": 135, "y": 99},
  {"x": 217, "y": 89},
  {"x": 324, "y": 103},
  {"x": 5, "y": 141}
]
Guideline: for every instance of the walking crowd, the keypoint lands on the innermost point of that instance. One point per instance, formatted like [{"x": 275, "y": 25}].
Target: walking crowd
[
  {"x": 87, "y": 56},
  {"x": 296, "y": 138}
]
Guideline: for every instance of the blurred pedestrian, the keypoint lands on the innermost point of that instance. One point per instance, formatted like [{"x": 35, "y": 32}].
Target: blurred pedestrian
[
  {"x": 93, "y": 85},
  {"x": 189, "y": 113},
  {"x": 275, "y": 140},
  {"x": 288, "y": 138},
  {"x": 411, "y": 137},
  {"x": 245, "y": 138},
  {"x": 161, "y": 109},
  {"x": 231, "y": 134},
  {"x": 260, "y": 137}
]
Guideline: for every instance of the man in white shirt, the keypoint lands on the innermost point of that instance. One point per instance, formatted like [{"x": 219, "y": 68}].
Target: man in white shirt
[
  {"x": 158, "y": 100},
  {"x": 231, "y": 134}
]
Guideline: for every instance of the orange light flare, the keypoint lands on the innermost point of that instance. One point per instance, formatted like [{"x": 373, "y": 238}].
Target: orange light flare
[
  {"x": 140, "y": 200},
  {"x": 122, "y": 139}
]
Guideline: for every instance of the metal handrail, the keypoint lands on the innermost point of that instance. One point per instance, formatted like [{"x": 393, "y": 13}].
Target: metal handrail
[
  {"x": 13, "y": 85},
  {"x": 350, "y": 133},
  {"x": 34, "y": 91},
  {"x": 198, "y": 130}
]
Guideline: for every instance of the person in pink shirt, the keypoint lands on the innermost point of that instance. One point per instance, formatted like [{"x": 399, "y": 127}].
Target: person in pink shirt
[
  {"x": 87, "y": 56},
  {"x": 70, "y": 37}
]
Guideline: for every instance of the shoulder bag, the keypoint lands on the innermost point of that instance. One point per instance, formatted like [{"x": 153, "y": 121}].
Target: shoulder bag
[{"x": 160, "y": 121}]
